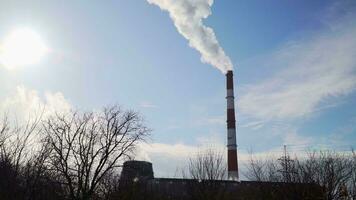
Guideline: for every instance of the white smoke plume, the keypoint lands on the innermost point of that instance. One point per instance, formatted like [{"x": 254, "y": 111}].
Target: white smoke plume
[{"x": 188, "y": 16}]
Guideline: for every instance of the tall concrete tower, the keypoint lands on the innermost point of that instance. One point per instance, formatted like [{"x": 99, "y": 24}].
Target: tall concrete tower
[{"x": 232, "y": 166}]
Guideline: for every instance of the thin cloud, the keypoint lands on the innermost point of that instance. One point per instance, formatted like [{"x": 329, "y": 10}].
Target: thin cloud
[
  {"x": 254, "y": 125},
  {"x": 147, "y": 104},
  {"x": 168, "y": 158},
  {"x": 312, "y": 72},
  {"x": 24, "y": 103},
  {"x": 211, "y": 120}
]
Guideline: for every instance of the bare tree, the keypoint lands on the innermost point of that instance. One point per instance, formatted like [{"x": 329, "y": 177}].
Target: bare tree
[
  {"x": 4, "y": 127},
  {"x": 208, "y": 164},
  {"x": 22, "y": 169},
  {"x": 207, "y": 168},
  {"x": 109, "y": 187},
  {"x": 87, "y": 146},
  {"x": 16, "y": 140},
  {"x": 262, "y": 170},
  {"x": 353, "y": 176},
  {"x": 332, "y": 171}
]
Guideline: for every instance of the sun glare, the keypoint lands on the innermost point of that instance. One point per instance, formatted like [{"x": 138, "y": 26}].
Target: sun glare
[{"x": 21, "y": 47}]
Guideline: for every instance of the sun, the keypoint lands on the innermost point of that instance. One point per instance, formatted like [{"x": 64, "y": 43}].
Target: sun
[{"x": 21, "y": 47}]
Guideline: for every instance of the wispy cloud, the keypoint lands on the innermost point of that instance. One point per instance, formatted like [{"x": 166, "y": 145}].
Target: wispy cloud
[
  {"x": 312, "y": 72},
  {"x": 168, "y": 158},
  {"x": 211, "y": 120},
  {"x": 147, "y": 104},
  {"x": 254, "y": 125},
  {"x": 176, "y": 150},
  {"x": 345, "y": 8},
  {"x": 296, "y": 142},
  {"x": 340, "y": 138}
]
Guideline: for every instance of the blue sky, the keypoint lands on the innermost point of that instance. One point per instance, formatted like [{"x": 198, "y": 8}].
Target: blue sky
[{"x": 294, "y": 63}]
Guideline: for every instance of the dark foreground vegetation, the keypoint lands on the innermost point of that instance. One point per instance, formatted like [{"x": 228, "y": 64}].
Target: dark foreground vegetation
[
  {"x": 67, "y": 156},
  {"x": 334, "y": 172},
  {"x": 79, "y": 156}
]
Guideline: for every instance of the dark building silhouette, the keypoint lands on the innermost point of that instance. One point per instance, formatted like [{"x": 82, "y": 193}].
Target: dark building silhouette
[
  {"x": 138, "y": 182},
  {"x": 136, "y": 171}
]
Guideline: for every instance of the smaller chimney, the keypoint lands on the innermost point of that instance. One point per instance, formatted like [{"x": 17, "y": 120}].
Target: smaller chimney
[{"x": 232, "y": 166}]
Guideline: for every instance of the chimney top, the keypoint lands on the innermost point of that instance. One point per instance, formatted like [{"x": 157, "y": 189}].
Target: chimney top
[{"x": 229, "y": 80}]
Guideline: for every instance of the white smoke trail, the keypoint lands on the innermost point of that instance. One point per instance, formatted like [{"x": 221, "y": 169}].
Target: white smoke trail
[{"x": 188, "y": 16}]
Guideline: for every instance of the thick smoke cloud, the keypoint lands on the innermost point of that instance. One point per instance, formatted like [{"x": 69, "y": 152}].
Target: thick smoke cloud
[{"x": 188, "y": 16}]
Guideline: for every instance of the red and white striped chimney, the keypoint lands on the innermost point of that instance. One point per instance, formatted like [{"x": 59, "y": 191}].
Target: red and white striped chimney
[{"x": 233, "y": 173}]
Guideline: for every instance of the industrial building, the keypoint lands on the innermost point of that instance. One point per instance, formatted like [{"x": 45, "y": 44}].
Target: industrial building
[{"x": 138, "y": 182}]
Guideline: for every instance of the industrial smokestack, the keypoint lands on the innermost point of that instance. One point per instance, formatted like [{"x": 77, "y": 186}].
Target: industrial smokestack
[{"x": 233, "y": 173}]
